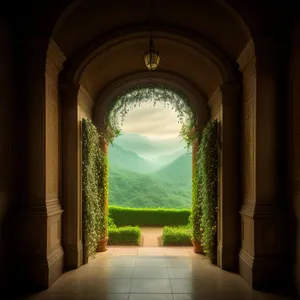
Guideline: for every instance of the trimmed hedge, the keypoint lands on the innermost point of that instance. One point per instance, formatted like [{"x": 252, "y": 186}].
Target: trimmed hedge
[
  {"x": 128, "y": 235},
  {"x": 124, "y": 216},
  {"x": 176, "y": 236}
]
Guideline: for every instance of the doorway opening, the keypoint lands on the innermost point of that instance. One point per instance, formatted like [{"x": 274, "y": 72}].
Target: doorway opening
[{"x": 150, "y": 172}]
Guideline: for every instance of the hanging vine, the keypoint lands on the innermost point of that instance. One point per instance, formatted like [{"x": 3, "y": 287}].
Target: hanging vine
[
  {"x": 151, "y": 94},
  {"x": 208, "y": 192},
  {"x": 94, "y": 165}
]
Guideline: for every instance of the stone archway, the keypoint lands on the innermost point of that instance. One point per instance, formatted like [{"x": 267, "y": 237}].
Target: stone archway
[
  {"x": 77, "y": 101},
  {"x": 221, "y": 106}
]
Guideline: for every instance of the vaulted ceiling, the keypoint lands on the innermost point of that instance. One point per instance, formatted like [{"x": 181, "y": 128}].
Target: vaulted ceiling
[{"x": 92, "y": 24}]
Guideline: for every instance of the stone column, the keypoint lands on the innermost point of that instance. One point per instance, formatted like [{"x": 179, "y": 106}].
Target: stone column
[
  {"x": 262, "y": 253},
  {"x": 228, "y": 243},
  {"x": 223, "y": 106},
  {"x": 41, "y": 248},
  {"x": 72, "y": 204}
]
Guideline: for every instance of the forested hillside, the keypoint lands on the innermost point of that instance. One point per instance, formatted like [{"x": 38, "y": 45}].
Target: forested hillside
[{"x": 163, "y": 181}]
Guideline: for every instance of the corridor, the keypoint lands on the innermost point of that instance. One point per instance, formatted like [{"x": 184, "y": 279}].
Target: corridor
[{"x": 140, "y": 273}]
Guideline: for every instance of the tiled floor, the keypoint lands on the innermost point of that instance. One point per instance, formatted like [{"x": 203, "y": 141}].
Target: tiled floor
[{"x": 131, "y": 273}]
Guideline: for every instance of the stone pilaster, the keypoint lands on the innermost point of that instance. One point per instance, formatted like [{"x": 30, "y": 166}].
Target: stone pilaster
[
  {"x": 72, "y": 204},
  {"x": 42, "y": 216},
  {"x": 223, "y": 106},
  {"x": 261, "y": 254}
]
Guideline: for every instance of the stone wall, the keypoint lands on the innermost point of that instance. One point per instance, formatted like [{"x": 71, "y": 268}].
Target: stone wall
[
  {"x": 7, "y": 134},
  {"x": 295, "y": 139}
]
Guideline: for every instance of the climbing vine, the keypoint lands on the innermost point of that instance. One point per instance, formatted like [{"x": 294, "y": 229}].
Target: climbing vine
[
  {"x": 208, "y": 191},
  {"x": 94, "y": 183},
  {"x": 196, "y": 209},
  {"x": 151, "y": 94}
]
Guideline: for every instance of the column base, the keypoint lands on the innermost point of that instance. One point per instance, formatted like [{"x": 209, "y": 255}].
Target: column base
[
  {"x": 227, "y": 258},
  {"x": 42, "y": 272},
  {"x": 263, "y": 273},
  {"x": 73, "y": 256}
]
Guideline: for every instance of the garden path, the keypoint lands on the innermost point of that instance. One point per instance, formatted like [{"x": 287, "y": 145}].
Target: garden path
[{"x": 150, "y": 235}]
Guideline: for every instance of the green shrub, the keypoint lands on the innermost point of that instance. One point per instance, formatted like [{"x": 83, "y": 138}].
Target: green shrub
[
  {"x": 176, "y": 236},
  {"x": 124, "y": 216},
  {"x": 110, "y": 222},
  {"x": 128, "y": 235}
]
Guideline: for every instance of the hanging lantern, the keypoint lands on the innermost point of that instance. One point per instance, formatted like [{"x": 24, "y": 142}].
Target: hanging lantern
[{"x": 152, "y": 57}]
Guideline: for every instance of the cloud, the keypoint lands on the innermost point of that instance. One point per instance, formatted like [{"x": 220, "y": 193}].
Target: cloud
[{"x": 158, "y": 121}]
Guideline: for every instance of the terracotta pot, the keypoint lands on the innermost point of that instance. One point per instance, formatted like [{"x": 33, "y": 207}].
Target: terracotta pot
[
  {"x": 102, "y": 245},
  {"x": 197, "y": 247}
]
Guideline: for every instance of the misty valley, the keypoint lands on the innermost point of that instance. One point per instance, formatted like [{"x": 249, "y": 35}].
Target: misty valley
[{"x": 146, "y": 172}]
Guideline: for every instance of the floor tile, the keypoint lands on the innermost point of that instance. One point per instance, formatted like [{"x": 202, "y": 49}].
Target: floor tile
[
  {"x": 150, "y": 286},
  {"x": 147, "y": 272},
  {"x": 112, "y": 286},
  {"x": 149, "y": 276},
  {"x": 179, "y": 262},
  {"x": 115, "y": 272},
  {"x": 187, "y": 286},
  {"x": 151, "y": 262},
  {"x": 151, "y": 297}
]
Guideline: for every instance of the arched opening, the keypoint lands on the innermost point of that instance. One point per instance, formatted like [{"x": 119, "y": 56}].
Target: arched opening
[{"x": 149, "y": 162}]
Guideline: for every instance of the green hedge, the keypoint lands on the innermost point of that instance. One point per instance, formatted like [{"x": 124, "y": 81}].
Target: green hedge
[
  {"x": 176, "y": 236},
  {"x": 128, "y": 235},
  {"x": 124, "y": 216}
]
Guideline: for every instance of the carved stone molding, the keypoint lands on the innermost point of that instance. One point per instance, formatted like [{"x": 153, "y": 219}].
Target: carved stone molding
[
  {"x": 254, "y": 211},
  {"x": 247, "y": 55},
  {"x": 53, "y": 207},
  {"x": 49, "y": 208}
]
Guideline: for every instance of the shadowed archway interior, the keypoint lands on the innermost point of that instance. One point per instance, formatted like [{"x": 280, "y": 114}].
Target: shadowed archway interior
[{"x": 228, "y": 58}]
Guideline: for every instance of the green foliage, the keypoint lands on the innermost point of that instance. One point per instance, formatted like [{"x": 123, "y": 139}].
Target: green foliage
[
  {"x": 208, "y": 176},
  {"x": 176, "y": 236},
  {"x": 149, "y": 216},
  {"x": 130, "y": 189},
  {"x": 110, "y": 223},
  {"x": 128, "y": 235},
  {"x": 94, "y": 166},
  {"x": 188, "y": 134},
  {"x": 147, "y": 94},
  {"x": 196, "y": 208}
]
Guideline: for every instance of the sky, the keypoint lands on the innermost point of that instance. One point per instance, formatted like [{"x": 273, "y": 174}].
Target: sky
[{"x": 154, "y": 122}]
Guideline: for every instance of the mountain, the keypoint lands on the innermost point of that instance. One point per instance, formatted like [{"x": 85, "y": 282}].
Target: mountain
[
  {"x": 128, "y": 160},
  {"x": 163, "y": 180},
  {"x": 145, "y": 190},
  {"x": 150, "y": 148},
  {"x": 168, "y": 158},
  {"x": 178, "y": 171},
  {"x": 136, "y": 143}
]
